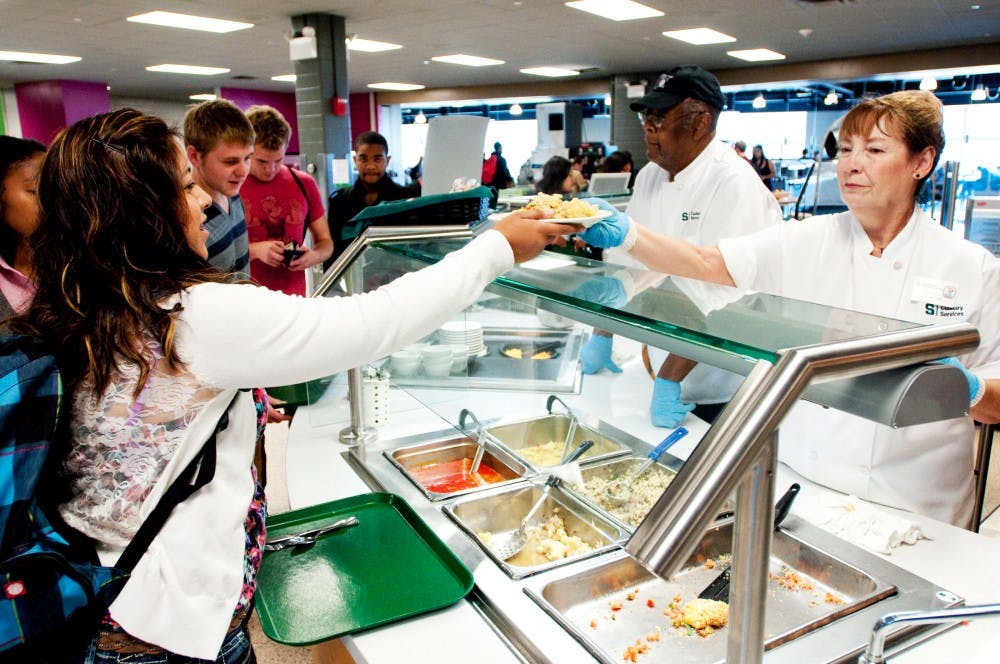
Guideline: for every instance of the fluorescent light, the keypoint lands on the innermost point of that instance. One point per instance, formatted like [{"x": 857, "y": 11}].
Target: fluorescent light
[
  {"x": 42, "y": 58},
  {"x": 515, "y": 109},
  {"x": 204, "y": 96},
  {"x": 700, "y": 36},
  {"x": 616, "y": 10},
  {"x": 284, "y": 78},
  {"x": 979, "y": 94},
  {"x": 371, "y": 46},
  {"x": 467, "y": 60},
  {"x": 420, "y": 118},
  {"x": 401, "y": 87},
  {"x": 759, "y": 101},
  {"x": 188, "y": 69},
  {"x": 831, "y": 98},
  {"x": 552, "y": 72},
  {"x": 756, "y": 54},
  {"x": 928, "y": 83},
  {"x": 188, "y": 22}
]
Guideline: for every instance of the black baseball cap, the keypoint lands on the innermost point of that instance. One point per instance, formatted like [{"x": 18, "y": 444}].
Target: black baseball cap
[{"x": 678, "y": 84}]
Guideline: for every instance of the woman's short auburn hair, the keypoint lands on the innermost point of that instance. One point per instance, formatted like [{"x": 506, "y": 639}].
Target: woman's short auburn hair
[{"x": 913, "y": 116}]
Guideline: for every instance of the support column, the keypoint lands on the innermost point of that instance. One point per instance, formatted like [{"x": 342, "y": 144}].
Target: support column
[{"x": 321, "y": 94}]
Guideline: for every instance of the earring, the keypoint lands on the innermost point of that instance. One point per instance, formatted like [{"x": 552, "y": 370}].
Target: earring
[{"x": 916, "y": 176}]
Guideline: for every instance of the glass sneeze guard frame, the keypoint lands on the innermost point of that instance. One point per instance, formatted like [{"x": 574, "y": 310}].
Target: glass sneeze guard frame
[{"x": 823, "y": 347}]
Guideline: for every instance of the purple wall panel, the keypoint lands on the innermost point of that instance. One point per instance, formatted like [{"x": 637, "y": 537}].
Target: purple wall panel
[
  {"x": 45, "y": 107},
  {"x": 283, "y": 101},
  {"x": 81, "y": 99},
  {"x": 360, "y": 108}
]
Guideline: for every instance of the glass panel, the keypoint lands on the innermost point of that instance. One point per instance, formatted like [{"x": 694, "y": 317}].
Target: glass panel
[{"x": 746, "y": 326}]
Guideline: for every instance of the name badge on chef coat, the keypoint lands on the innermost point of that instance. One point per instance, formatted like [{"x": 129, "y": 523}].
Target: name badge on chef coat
[{"x": 934, "y": 291}]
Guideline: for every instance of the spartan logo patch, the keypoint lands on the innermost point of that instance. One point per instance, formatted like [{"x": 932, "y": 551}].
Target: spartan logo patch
[
  {"x": 942, "y": 311},
  {"x": 691, "y": 215}
]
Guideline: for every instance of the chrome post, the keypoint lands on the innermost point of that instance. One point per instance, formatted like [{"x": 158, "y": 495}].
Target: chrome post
[
  {"x": 875, "y": 652},
  {"x": 948, "y": 193},
  {"x": 751, "y": 558}
]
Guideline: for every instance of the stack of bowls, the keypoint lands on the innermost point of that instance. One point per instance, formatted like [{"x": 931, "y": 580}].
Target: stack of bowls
[
  {"x": 405, "y": 362},
  {"x": 436, "y": 360},
  {"x": 467, "y": 333}
]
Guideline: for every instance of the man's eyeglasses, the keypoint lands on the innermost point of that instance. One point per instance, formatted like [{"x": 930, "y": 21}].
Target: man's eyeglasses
[{"x": 655, "y": 119}]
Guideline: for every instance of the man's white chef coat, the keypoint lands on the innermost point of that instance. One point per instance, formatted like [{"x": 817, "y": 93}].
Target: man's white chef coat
[
  {"x": 717, "y": 195},
  {"x": 927, "y": 274}
]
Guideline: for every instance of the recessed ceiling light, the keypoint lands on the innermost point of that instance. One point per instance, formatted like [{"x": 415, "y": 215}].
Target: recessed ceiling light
[
  {"x": 515, "y": 109},
  {"x": 467, "y": 60},
  {"x": 979, "y": 94},
  {"x": 759, "y": 101},
  {"x": 371, "y": 46},
  {"x": 188, "y": 69},
  {"x": 756, "y": 54},
  {"x": 42, "y": 58},
  {"x": 700, "y": 36},
  {"x": 284, "y": 78},
  {"x": 928, "y": 83},
  {"x": 188, "y": 22},
  {"x": 616, "y": 10},
  {"x": 552, "y": 72},
  {"x": 204, "y": 96},
  {"x": 419, "y": 118},
  {"x": 400, "y": 87}
]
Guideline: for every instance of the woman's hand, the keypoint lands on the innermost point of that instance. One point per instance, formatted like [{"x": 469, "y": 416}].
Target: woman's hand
[{"x": 528, "y": 236}]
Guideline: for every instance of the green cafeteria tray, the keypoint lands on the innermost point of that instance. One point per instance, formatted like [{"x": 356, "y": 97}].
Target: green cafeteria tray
[{"x": 389, "y": 566}]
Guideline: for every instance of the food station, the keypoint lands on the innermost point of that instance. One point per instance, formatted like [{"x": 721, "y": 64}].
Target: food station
[{"x": 587, "y": 582}]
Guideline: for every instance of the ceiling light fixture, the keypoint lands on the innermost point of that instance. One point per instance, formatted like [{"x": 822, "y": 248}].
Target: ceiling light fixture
[
  {"x": 928, "y": 83},
  {"x": 607, "y": 100},
  {"x": 204, "y": 96},
  {"x": 40, "y": 58},
  {"x": 831, "y": 98},
  {"x": 371, "y": 46},
  {"x": 188, "y": 69},
  {"x": 467, "y": 60},
  {"x": 759, "y": 101},
  {"x": 979, "y": 94},
  {"x": 700, "y": 36},
  {"x": 420, "y": 118},
  {"x": 515, "y": 109},
  {"x": 551, "y": 72},
  {"x": 285, "y": 78},
  {"x": 616, "y": 10},
  {"x": 189, "y": 22},
  {"x": 756, "y": 54},
  {"x": 398, "y": 87}
]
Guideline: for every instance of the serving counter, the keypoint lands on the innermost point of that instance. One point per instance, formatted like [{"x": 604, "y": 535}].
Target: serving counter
[{"x": 867, "y": 365}]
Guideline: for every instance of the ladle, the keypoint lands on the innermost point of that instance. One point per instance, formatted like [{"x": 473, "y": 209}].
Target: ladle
[
  {"x": 619, "y": 492},
  {"x": 510, "y": 544}
]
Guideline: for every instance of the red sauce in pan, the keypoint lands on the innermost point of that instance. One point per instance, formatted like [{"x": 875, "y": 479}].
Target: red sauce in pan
[{"x": 451, "y": 476}]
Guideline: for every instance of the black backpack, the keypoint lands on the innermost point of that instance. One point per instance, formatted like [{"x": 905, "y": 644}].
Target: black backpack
[{"x": 53, "y": 589}]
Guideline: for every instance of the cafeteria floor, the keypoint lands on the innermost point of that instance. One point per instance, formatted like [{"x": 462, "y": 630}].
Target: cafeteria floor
[{"x": 269, "y": 652}]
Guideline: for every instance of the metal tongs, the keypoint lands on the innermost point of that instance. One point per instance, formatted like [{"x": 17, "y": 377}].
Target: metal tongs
[
  {"x": 573, "y": 419},
  {"x": 480, "y": 438},
  {"x": 307, "y": 537}
]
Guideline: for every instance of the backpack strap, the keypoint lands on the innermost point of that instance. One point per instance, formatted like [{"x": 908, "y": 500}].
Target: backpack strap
[
  {"x": 305, "y": 225},
  {"x": 199, "y": 472}
]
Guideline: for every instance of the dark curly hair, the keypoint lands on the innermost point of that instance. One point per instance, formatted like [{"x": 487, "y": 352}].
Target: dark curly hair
[{"x": 111, "y": 246}]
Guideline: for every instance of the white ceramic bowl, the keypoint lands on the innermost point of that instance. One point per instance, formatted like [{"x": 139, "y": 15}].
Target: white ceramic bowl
[
  {"x": 405, "y": 362},
  {"x": 436, "y": 353},
  {"x": 438, "y": 369}
]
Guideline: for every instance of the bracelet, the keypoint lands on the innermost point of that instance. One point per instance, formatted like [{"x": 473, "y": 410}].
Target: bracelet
[
  {"x": 980, "y": 393},
  {"x": 631, "y": 236}
]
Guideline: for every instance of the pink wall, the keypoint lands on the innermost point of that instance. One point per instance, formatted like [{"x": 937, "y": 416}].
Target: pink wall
[
  {"x": 45, "y": 107},
  {"x": 284, "y": 102},
  {"x": 360, "y": 109}
]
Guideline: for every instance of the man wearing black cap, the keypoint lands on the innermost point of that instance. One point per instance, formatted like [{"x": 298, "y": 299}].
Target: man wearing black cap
[{"x": 697, "y": 188}]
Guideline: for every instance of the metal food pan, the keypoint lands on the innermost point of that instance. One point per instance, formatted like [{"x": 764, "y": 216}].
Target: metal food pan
[
  {"x": 582, "y": 603},
  {"x": 411, "y": 457},
  {"x": 646, "y": 489},
  {"x": 521, "y": 437},
  {"x": 501, "y": 512}
]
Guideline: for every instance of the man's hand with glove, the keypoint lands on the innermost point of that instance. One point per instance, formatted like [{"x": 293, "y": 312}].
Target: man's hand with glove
[
  {"x": 613, "y": 231},
  {"x": 667, "y": 409},
  {"x": 977, "y": 386},
  {"x": 596, "y": 355}
]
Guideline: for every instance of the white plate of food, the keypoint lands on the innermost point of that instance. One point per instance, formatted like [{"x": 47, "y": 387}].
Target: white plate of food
[{"x": 587, "y": 222}]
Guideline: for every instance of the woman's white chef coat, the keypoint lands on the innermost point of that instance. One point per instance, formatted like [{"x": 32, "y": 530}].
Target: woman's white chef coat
[
  {"x": 927, "y": 274},
  {"x": 698, "y": 205}
]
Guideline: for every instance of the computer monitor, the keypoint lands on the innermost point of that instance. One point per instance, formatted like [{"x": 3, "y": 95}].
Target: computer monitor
[{"x": 602, "y": 184}]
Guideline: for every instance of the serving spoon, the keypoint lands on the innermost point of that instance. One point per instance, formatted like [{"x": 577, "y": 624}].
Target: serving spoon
[{"x": 619, "y": 492}]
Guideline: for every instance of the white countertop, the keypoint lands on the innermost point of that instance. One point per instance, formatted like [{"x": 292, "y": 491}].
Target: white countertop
[{"x": 955, "y": 559}]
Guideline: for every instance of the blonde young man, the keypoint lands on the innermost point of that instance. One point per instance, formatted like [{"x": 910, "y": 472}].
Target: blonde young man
[
  {"x": 219, "y": 141},
  {"x": 282, "y": 203}
]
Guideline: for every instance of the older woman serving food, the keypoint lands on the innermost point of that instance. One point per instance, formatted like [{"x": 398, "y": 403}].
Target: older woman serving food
[{"x": 884, "y": 257}]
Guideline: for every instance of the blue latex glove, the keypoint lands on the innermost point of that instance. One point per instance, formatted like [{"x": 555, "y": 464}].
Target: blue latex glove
[
  {"x": 606, "y": 291},
  {"x": 975, "y": 382},
  {"x": 606, "y": 233},
  {"x": 596, "y": 355},
  {"x": 667, "y": 409}
]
